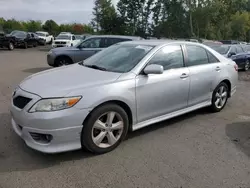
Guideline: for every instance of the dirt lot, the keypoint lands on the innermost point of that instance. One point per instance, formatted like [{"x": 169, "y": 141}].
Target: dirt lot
[{"x": 197, "y": 150}]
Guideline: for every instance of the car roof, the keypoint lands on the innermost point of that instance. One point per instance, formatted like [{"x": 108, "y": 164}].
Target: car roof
[
  {"x": 161, "y": 42},
  {"x": 116, "y": 36}
]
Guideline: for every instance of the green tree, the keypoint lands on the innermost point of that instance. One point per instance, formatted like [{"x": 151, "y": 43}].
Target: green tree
[{"x": 51, "y": 27}]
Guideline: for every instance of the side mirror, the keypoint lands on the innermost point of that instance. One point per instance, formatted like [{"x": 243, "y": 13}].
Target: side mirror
[
  {"x": 153, "y": 69},
  {"x": 231, "y": 54}
]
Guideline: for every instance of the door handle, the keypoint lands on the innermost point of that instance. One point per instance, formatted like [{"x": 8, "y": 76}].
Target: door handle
[
  {"x": 184, "y": 75},
  {"x": 217, "y": 68}
]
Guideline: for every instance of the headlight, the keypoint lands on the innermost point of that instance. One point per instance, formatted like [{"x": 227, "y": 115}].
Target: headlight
[{"x": 48, "y": 105}]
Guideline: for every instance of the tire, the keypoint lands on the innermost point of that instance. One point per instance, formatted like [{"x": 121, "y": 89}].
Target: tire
[
  {"x": 51, "y": 41},
  {"x": 25, "y": 45},
  {"x": 62, "y": 61},
  {"x": 107, "y": 144},
  {"x": 247, "y": 65},
  {"x": 35, "y": 44},
  {"x": 218, "y": 95},
  {"x": 11, "y": 46}
]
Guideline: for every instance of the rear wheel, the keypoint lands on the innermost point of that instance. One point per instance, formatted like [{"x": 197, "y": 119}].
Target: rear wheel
[
  {"x": 104, "y": 129},
  {"x": 35, "y": 44},
  {"x": 25, "y": 45},
  {"x": 11, "y": 46},
  {"x": 220, "y": 96},
  {"x": 247, "y": 65},
  {"x": 62, "y": 61}
]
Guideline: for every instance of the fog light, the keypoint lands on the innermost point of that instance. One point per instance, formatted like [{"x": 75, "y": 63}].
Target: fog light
[{"x": 42, "y": 138}]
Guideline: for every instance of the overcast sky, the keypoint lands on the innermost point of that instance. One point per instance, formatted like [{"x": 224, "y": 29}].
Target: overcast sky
[{"x": 62, "y": 11}]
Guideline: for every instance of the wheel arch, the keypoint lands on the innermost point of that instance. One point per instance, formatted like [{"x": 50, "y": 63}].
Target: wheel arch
[
  {"x": 120, "y": 103},
  {"x": 226, "y": 81},
  {"x": 63, "y": 56}
]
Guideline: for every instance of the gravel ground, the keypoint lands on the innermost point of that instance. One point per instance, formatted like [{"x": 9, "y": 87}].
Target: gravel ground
[{"x": 197, "y": 150}]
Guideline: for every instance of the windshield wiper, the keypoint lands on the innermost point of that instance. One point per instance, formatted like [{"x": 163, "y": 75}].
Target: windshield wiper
[{"x": 95, "y": 67}]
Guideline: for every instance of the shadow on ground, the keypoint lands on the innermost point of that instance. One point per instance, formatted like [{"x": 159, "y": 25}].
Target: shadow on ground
[
  {"x": 18, "y": 157},
  {"x": 36, "y": 70},
  {"x": 239, "y": 134}
]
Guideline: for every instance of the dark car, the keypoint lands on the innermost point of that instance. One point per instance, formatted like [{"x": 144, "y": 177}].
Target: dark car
[
  {"x": 37, "y": 39},
  {"x": 4, "y": 43},
  {"x": 18, "y": 39},
  {"x": 85, "y": 49},
  {"x": 230, "y": 42},
  {"x": 236, "y": 52}
]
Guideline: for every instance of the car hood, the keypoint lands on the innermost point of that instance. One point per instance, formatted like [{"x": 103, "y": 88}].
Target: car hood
[{"x": 58, "y": 82}]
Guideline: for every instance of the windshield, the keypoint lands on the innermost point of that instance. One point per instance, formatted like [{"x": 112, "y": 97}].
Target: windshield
[
  {"x": 19, "y": 34},
  {"x": 41, "y": 34},
  {"x": 222, "y": 49},
  {"x": 64, "y": 37},
  {"x": 119, "y": 58}
]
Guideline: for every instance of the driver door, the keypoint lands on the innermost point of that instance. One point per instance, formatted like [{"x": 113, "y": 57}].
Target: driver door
[
  {"x": 161, "y": 94},
  {"x": 87, "y": 48}
]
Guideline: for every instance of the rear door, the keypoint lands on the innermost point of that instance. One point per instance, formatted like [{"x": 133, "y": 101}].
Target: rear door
[{"x": 201, "y": 74}]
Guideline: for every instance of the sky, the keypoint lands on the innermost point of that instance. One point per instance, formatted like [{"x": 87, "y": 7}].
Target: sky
[{"x": 62, "y": 11}]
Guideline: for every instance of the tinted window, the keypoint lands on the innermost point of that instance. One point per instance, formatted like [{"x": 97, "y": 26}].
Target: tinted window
[
  {"x": 110, "y": 41},
  {"x": 91, "y": 43},
  {"x": 233, "y": 49},
  {"x": 239, "y": 49},
  {"x": 196, "y": 55},
  {"x": 212, "y": 58},
  {"x": 170, "y": 57}
]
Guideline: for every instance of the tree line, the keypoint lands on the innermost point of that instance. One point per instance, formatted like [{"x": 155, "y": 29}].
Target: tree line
[
  {"x": 50, "y": 26},
  {"x": 208, "y": 19}
]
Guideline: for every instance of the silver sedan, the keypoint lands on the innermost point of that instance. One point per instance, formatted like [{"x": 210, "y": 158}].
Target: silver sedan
[{"x": 93, "y": 104}]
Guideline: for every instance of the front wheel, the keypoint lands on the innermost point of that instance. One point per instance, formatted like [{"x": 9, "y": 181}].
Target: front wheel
[
  {"x": 104, "y": 129},
  {"x": 220, "y": 96},
  {"x": 247, "y": 65},
  {"x": 11, "y": 46},
  {"x": 62, "y": 61}
]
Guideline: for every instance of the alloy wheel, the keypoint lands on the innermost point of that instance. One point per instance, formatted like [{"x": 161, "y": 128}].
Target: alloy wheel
[
  {"x": 221, "y": 97},
  {"x": 107, "y": 129}
]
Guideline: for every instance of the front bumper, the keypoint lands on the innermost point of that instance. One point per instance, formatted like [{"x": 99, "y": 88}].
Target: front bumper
[
  {"x": 60, "y": 45},
  {"x": 63, "y": 126},
  {"x": 51, "y": 59}
]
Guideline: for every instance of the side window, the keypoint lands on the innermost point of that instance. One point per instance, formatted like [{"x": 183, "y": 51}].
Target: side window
[
  {"x": 239, "y": 49},
  {"x": 233, "y": 50},
  {"x": 212, "y": 58},
  {"x": 28, "y": 35},
  {"x": 73, "y": 38},
  {"x": 91, "y": 43},
  {"x": 47, "y": 35},
  {"x": 196, "y": 55},
  {"x": 170, "y": 57},
  {"x": 32, "y": 35}
]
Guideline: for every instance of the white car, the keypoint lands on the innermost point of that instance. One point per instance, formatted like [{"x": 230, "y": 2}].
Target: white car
[
  {"x": 65, "y": 40},
  {"x": 48, "y": 39}
]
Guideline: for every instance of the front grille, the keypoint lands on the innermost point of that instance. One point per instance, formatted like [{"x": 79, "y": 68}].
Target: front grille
[
  {"x": 21, "y": 102},
  {"x": 60, "y": 42}
]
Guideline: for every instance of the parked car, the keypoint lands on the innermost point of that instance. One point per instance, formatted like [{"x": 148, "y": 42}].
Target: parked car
[
  {"x": 65, "y": 40},
  {"x": 18, "y": 39},
  {"x": 230, "y": 41},
  {"x": 236, "y": 53},
  {"x": 130, "y": 85},
  {"x": 4, "y": 43},
  {"x": 68, "y": 55},
  {"x": 47, "y": 38}
]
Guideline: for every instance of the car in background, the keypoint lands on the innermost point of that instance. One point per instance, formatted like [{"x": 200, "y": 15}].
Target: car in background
[
  {"x": 236, "y": 53},
  {"x": 19, "y": 39},
  {"x": 93, "y": 44},
  {"x": 230, "y": 42},
  {"x": 128, "y": 86},
  {"x": 65, "y": 40},
  {"x": 47, "y": 38},
  {"x": 5, "y": 43}
]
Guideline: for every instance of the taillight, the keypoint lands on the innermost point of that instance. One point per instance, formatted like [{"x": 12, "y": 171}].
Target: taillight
[{"x": 236, "y": 67}]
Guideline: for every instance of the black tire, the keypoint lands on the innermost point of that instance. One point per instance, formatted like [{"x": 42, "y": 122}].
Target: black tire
[
  {"x": 51, "y": 41},
  {"x": 25, "y": 45},
  {"x": 35, "y": 44},
  {"x": 247, "y": 65},
  {"x": 63, "y": 60},
  {"x": 86, "y": 137},
  {"x": 11, "y": 46},
  {"x": 214, "y": 107}
]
